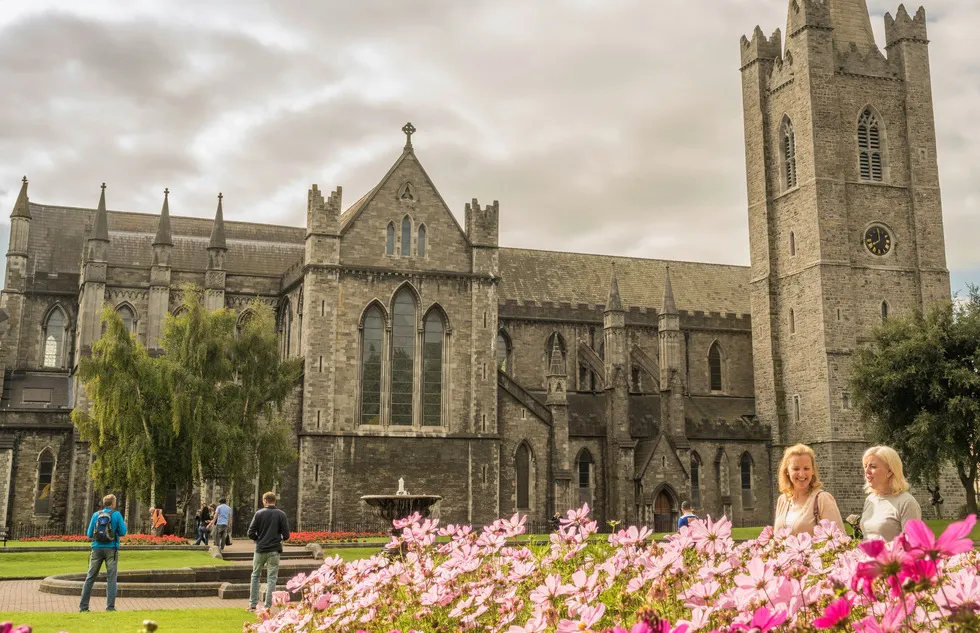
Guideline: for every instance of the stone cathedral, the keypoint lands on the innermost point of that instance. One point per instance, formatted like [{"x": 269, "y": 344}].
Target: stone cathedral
[{"x": 513, "y": 380}]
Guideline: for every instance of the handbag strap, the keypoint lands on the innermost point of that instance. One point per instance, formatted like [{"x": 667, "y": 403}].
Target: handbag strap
[{"x": 816, "y": 508}]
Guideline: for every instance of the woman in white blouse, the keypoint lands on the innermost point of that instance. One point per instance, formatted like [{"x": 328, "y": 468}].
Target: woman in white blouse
[{"x": 889, "y": 505}]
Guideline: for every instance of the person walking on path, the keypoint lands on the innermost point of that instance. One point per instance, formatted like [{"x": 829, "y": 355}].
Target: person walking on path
[
  {"x": 104, "y": 529},
  {"x": 888, "y": 506},
  {"x": 203, "y": 517},
  {"x": 157, "y": 521},
  {"x": 687, "y": 511},
  {"x": 269, "y": 528},
  {"x": 803, "y": 503},
  {"x": 222, "y": 523}
]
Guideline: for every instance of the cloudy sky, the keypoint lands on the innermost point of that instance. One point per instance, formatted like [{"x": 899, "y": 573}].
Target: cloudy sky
[{"x": 609, "y": 126}]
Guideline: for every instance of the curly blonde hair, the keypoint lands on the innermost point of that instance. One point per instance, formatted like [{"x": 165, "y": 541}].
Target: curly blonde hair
[
  {"x": 890, "y": 456},
  {"x": 798, "y": 450}
]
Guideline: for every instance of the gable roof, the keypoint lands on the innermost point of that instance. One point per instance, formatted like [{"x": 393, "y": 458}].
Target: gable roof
[
  {"x": 533, "y": 276},
  {"x": 348, "y": 217}
]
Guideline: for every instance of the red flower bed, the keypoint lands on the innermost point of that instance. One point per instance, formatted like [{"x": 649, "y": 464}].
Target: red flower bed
[
  {"x": 302, "y": 538},
  {"x": 129, "y": 539}
]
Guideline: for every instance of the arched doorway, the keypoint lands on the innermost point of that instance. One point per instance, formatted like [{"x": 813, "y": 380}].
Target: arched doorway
[{"x": 664, "y": 519}]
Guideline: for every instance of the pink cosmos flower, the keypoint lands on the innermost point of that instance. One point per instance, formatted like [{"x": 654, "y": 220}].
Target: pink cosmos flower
[
  {"x": 536, "y": 624},
  {"x": 891, "y": 622},
  {"x": 712, "y": 537},
  {"x": 835, "y": 613},
  {"x": 962, "y": 591},
  {"x": 762, "y": 621},
  {"x": 955, "y": 539},
  {"x": 280, "y": 598},
  {"x": 587, "y": 618},
  {"x": 551, "y": 588}
]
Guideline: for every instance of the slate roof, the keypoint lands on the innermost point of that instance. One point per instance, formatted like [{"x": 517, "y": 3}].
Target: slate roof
[
  {"x": 58, "y": 234},
  {"x": 550, "y": 276}
]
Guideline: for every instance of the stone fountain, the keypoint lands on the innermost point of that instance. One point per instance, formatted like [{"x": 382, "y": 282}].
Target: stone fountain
[{"x": 401, "y": 505}]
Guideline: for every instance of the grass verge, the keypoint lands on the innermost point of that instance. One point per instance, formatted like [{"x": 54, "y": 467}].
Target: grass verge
[
  {"x": 170, "y": 621},
  {"x": 40, "y": 564}
]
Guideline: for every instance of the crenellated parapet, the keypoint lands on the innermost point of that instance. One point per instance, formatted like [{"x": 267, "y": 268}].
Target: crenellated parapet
[
  {"x": 761, "y": 47},
  {"x": 482, "y": 223},
  {"x": 905, "y": 28},
  {"x": 808, "y": 14},
  {"x": 323, "y": 215},
  {"x": 868, "y": 63}
]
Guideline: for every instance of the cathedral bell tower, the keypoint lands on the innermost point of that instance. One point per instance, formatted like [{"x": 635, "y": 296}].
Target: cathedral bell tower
[{"x": 845, "y": 218}]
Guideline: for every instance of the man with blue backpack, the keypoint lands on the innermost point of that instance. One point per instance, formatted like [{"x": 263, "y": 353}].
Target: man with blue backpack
[{"x": 104, "y": 529}]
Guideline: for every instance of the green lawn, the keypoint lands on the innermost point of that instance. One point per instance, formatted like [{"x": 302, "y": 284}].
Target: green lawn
[
  {"x": 21, "y": 564},
  {"x": 175, "y": 621}
]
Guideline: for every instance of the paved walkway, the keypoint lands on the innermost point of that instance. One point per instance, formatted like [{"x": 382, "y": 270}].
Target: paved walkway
[{"x": 24, "y": 595}]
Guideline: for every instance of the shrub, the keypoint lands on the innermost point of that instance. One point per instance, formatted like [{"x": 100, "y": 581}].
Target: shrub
[
  {"x": 302, "y": 538},
  {"x": 129, "y": 539},
  {"x": 697, "y": 580}
]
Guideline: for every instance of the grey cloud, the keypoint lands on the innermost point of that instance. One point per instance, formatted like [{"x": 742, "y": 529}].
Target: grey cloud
[{"x": 609, "y": 127}]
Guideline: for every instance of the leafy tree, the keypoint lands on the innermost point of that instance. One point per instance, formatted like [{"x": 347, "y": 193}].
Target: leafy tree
[
  {"x": 262, "y": 383},
  {"x": 918, "y": 385},
  {"x": 196, "y": 346},
  {"x": 130, "y": 408}
]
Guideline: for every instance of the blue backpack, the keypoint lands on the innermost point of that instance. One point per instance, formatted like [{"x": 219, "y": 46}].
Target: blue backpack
[{"x": 103, "y": 532}]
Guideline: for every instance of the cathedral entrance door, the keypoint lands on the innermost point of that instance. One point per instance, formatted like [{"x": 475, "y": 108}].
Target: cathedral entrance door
[{"x": 663, "y": 513}]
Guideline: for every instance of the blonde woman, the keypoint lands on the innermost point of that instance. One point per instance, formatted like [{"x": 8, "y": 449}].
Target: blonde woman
[
  {"x": 889, "y": 506},
  {"x": 803, "y": 502}
]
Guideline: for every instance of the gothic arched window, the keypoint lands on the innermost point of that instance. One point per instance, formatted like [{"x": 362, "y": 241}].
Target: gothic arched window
[
  {"x": 390, "y": 239},
  {"x": 433, "y": 343},
  {"x": 54, "y": 339},
  {"x": 503, "y": 352},
  {"x": 745, "y": 466},
  {"x": 128, "y": 318},
  {"x": 787, "y": 142},
  {"x": 421, "y": 247},
  {"x": 695, "y": 480},
  {"x": 714, "y": 367},
  {"x": 584, "y": 469},
  {"x": 406, "y": 237},
  {"x": 45, "y": 477},
  {"x": 403, "y": 334},
  {"x": 870, "y": 147},
  {"x": 285, "y": 329},
  {"x": 372, "y": 346},
  {"x": 884, "y": 310},
  {"x": 522, "y": 471}
]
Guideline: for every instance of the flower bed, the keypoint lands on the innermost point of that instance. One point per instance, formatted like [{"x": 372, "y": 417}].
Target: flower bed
[
  {"x": 302, "y": 538},
  {"x": 129, "y": 539},
  {"x": 698, "y": 580}
]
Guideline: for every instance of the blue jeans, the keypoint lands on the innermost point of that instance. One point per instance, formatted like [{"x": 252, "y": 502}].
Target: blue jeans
[
  {"x": 265, "y": 559},
  {"x": 202, "y": 534},
  {"x": 110, "y": 556}
]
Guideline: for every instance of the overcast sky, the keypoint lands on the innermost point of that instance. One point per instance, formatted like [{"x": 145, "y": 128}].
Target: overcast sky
[{"x": 608, "y": 126}]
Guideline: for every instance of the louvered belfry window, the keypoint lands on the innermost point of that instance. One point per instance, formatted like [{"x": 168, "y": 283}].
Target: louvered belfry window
[
  {"x": 869, "y": 147},
  {"x": 788, "y": 142}
]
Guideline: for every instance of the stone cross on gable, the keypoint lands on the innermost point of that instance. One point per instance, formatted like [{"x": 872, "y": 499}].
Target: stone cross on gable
[{"x": 408, "y": 129}]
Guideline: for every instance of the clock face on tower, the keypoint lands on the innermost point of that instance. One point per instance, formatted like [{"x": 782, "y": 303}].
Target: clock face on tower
[{"x": 877, "y": 239}]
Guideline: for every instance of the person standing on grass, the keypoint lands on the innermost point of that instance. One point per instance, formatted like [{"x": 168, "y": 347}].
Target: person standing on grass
[
  {"x": 889, "y": 506},
  {"x": 104, "y": 529},
  {"x": 222, "y": 523},
  {"x": 203, "y": 517},
  {"x": 687, "y": 513},
  {"x": 157, "y": 521},
  {"x": 269, "y": 528},
  {"x": 803, "y": 502}
]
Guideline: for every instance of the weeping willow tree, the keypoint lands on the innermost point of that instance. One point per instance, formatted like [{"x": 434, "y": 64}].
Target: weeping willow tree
[
  {"x": 256, "y": 399},
  {"x": 197, "y": 346},
  {"x": 128, "y": 424}
]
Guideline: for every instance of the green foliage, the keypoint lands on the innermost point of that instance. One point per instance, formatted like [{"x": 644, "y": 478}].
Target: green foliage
[
  {"x": 168, "y": 621},
  {"x": 918, "y": 386},
  {"x": 126, "y": 425},
  {"x": 211, "y": 406}
]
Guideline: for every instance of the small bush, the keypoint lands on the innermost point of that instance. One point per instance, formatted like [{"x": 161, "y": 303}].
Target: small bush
[{"x": 302, "y": 538}]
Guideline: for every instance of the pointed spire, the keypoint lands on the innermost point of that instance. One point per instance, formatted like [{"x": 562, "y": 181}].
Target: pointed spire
[
  {"x": 614, "y": 303},
  {"x": 218, "y": 229},
  {"x": 852, "y": 24},
  {"x": 100, "y": 229},
  {"x": 557, "y": 363},
  {"x": 163, "y": 237},
  {"x": 669, "y": 307},
  {"x": 21, "y": 207}
]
